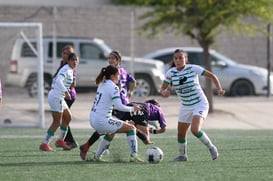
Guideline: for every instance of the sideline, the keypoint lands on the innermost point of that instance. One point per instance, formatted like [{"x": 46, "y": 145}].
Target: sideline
[{"x": 229, "y": 112}]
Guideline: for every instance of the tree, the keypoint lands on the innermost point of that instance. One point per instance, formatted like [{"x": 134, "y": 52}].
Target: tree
[{"x": 203, "y": 20}]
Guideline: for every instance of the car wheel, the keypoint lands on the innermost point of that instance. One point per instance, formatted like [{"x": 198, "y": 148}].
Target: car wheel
[
  {"x": 144, "y": 86},
  {"x": 242, "y": 88},
  {"x": 32, "y": 87}
]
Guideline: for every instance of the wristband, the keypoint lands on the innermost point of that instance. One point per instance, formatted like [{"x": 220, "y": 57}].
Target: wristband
[{"x": 154, "y": 131}]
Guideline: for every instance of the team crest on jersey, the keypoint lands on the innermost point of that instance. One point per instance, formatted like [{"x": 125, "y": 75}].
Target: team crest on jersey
[
  {"x": 116, "y": 90},
  {"x": 118, "y": 123},
  {"x": 182, "y": 80}
]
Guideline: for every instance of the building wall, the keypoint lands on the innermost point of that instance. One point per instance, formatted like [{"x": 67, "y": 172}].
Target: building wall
[{"x": 113, "y": 24}]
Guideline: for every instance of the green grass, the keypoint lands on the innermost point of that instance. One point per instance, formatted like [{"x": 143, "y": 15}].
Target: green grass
[{"x": 244, "y": 155}]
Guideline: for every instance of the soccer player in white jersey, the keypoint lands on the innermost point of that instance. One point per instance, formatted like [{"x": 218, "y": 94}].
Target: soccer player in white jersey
[
  {"x": 194, "y": 104},
  {"x": 107, "y": 97},
  {"x": 56, "y": 98}
]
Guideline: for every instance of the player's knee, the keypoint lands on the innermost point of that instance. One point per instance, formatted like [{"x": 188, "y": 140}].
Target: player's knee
[
  {"x": 130, "y": 127},
  {"x": 133, "y": 128},
  {"x": 194, "y": 131}
]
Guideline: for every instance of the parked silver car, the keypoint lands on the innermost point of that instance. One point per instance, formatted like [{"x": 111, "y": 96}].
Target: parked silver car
[
  {"x": 93, "y": 55},
  {"x": 236, "y": 79}
]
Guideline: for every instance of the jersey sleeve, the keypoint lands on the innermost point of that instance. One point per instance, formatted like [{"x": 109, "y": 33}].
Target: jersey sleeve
[
  {"x": 198, "y": 69},
  {"x": 162, "y": 121},
  {"x": 117, "y": 101},
  {"x": 60, "y": 82},
  {"x": 130, "y": 78},
  {"x": 168, "y": 77}
]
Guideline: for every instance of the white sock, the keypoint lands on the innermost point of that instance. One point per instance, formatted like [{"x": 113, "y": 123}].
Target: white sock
[
  {"x": 203, "y": 137},
  {"x": 183, "y": 148},
  {"x": 103, "y": 145},
  {"x": 132, "y": 142},
  {"x": 63, "y": 132},
  {"x": 48, "y": 137}
]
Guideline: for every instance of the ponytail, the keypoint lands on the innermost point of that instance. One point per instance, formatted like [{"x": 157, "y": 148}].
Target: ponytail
[
  {"x": 100, "y": 77},
  {"x": 106, "y": 73}
]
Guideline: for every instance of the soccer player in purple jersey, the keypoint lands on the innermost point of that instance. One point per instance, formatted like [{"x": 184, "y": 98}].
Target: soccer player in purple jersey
[
  {"x": 150, "y": 111},
  {"x": 126, "y": 82}
]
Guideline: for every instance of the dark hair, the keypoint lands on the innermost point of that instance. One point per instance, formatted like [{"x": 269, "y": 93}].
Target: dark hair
[
  {"x": 106, "y": 73},
  {"x": 67, "y": 47},
  {"x": 71, "y": 55},
  {"x": 177, "y": 51},
  {"x": 153, "y": 101},
  {"x": 116, "y": 54}
]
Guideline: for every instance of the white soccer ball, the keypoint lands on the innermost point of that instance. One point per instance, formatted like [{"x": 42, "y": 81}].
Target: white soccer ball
[{"x": 154, "y": 154}]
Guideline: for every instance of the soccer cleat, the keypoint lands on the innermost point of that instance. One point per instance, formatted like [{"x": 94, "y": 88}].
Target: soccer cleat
[
  {"x": 94, "y": 159},
  {"x": 214, "y": 153},
  {"x": 45, "y": 147},
  {"x": 62, "y": 144},
  {"x": 181, "y": 158},
  {"x": 72, "y": 144},
  {"x": 105, "y": 152},
  {"x": 136, "y": 159},
  {"x": 83, "y": 152},
  {"x": 99, "y": 159}
]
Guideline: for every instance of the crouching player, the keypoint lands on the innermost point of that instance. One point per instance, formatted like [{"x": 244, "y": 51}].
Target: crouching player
[{"x": 151, "y": 110}]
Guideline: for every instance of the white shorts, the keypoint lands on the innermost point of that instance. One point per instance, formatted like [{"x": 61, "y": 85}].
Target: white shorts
[
  {"x": 57, "y": 104},
  {"x": 186, "y": 113},
  {"x": 105, "y": 125}
]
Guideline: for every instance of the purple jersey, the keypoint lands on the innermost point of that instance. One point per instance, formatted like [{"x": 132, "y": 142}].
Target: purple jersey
[
  {"x": 72, "y": 91},
  {"x": 124, "y": 80},
  {"x": 153, "y": 112}
]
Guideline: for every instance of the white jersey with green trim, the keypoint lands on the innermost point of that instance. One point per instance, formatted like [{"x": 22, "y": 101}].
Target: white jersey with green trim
[
  {"x": 186, "y": 84},
  {"x": 62, "y": 82},
  {"x": 107, "y": 96}
]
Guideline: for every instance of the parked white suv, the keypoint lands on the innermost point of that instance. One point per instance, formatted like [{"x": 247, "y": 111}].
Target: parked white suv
[
  {"x": 92, "y": 54},
  {"x": 236, "y": 79}
]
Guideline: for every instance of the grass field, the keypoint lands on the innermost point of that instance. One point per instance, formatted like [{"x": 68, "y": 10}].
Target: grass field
[{"x": 244, "y": 155}]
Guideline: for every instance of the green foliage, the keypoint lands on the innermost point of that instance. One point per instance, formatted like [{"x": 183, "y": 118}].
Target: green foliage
[
  {"x": 244, "y": 155},
  {"x": 142, "y": 2},
  {"x": 202, "y": 20}
]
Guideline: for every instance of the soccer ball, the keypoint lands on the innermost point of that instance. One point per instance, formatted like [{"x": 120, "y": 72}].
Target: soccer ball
[{"x": 154, "y": 154}]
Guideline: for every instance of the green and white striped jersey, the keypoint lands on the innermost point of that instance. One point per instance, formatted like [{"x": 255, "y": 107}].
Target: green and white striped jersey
[{"x": 186, "y": 83}]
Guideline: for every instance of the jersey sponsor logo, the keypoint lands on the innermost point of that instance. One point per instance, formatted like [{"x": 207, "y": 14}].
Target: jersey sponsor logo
[
  {"x": 186, "y": 90},
  {"x": 182, "y": 80},
  {"x": 118, "y": 123},
  {"x": 135, "y": 113}
]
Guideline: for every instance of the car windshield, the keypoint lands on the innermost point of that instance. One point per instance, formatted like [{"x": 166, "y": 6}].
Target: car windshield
[
  {"x": 105, "y": 47},
  {"x": 222, "y": 57}
]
